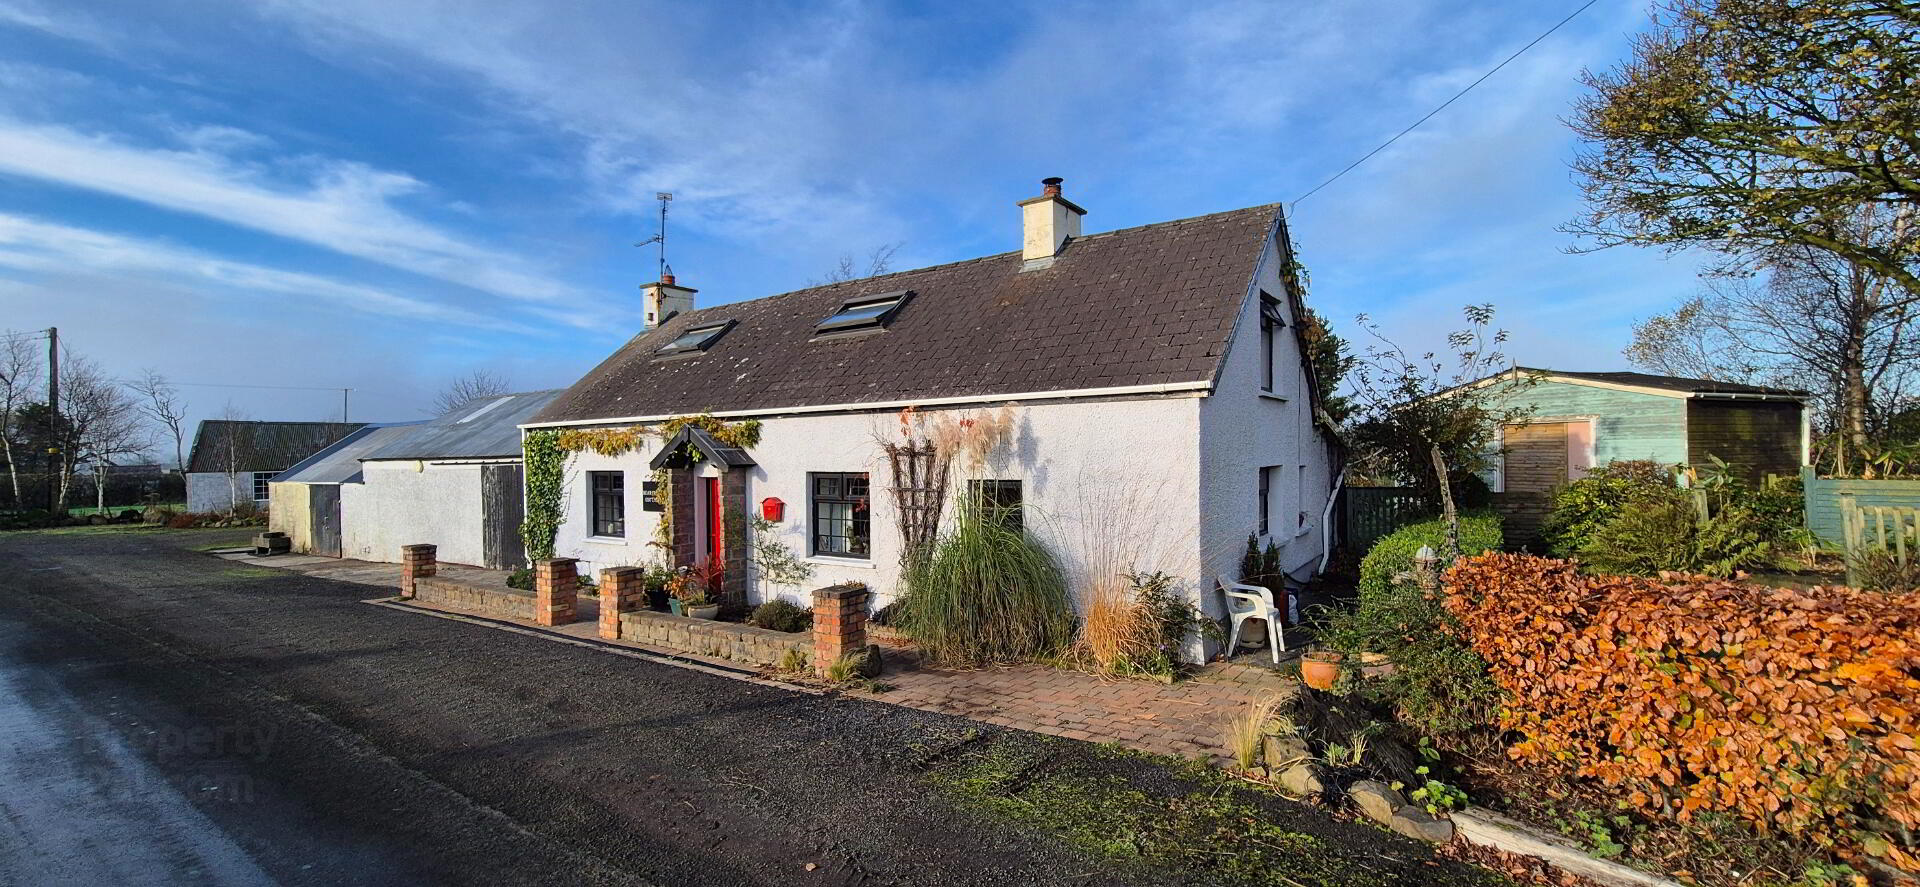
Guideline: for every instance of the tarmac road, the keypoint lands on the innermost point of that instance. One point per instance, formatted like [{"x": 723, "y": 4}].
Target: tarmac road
[{"x": 170, "y": 718}]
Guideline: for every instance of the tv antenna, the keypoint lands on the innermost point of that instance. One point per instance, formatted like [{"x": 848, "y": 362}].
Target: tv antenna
[{"x": 661, "y": 238}]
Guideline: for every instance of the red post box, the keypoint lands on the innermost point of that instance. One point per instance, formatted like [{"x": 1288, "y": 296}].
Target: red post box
[{"x": 772, "y": 509}]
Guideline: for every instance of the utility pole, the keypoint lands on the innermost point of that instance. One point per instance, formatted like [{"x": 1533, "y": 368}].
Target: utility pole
[
  {"x": 343, "y": 404},
  {"x": 53, "y": 418}
]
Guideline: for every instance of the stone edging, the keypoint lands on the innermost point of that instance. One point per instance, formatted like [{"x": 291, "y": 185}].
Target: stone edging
[{"x": 1481, "y": 826}]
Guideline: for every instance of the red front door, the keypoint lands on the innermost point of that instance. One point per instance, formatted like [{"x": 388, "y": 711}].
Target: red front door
[{"x": 716, "y": 538}]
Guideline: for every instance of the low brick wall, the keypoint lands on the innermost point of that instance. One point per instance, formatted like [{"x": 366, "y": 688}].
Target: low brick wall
[
  {"x": 707, "y": 637},
  {"x": 499, "y": 602}
]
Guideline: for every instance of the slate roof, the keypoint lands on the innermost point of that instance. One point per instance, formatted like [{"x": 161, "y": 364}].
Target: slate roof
[
  {"x": 1670, "y": 383},
  {"x": 1139, "y": 306},
  {"x": 261, "y": 446},
  {"x": 482, "y": 428},
  {"x": 340, "y": 463}
]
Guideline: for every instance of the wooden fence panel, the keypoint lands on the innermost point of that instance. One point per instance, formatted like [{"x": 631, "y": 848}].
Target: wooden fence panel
[
  {"x": 1824, "y": 513},
  {"x": 1368, "y": 513}
]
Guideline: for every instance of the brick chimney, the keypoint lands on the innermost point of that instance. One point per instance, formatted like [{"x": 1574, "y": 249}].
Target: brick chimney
[
  {"x": 1047, "y": 222},
  {"x": 665, "y": 299}
]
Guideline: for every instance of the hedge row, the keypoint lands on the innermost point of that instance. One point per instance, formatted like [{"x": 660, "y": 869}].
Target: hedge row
[{"x": 1795, "y": 711}]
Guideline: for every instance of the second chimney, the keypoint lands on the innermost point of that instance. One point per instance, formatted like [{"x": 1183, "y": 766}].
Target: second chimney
[
  {"x": 1047, "y": 222},
  {"x": 664, "y": 299}
]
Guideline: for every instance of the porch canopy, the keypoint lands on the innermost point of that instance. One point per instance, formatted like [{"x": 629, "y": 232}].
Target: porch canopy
[{"x": 692, "y": 445}]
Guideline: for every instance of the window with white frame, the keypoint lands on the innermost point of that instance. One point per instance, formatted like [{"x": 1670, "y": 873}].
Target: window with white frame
[
  {"x": 1266, "y": 498},
  {"x": 261, "y": 490}
]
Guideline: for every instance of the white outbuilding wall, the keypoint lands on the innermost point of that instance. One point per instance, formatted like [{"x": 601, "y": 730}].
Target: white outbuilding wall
[
  {"x": 1119, "y": 473},
  {"x": 210, "y": 491},
  {"x": 401, "y": 503}
]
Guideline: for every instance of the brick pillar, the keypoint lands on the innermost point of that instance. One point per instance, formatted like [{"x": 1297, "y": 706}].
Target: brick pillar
[
  {"x": 839, "y": 623},
  {"x": 622, "y": 590},
  {"x": 416, "y": 562},
  {"x": 734, "y": 530},
  {"x": 684, "y": 531},
  {"x": 556, "y": 588}
]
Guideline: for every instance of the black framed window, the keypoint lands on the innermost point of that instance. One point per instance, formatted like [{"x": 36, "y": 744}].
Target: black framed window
[
  {"x": 260, "y": 489},
  {"x": 842, "y": 519},
  {"x": 1266, "y": 500},
  {"x": 695, "y": 339},
  {"x": 609, "y": 502},
  {"x": 868, "y": 313},
  {"x": 999, "y": 500},
  {"x": 1271, "y": 324}
]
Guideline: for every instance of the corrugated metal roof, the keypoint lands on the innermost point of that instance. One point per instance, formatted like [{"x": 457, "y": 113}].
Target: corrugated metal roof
[
  {"x": 245, "y": 445},
  {"x": 482, "y": 428},
  {"x": 340, "y": 463}
]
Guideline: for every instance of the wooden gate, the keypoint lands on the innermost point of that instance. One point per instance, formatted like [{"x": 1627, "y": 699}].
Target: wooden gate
[
  {"x": 323, "y": 513},
  {"x": 1889, "y": 529},
  {"x": 502, "y": 510}
]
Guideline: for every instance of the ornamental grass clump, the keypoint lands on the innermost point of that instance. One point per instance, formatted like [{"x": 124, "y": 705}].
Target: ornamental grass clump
[{"x": 988, "y": 593}]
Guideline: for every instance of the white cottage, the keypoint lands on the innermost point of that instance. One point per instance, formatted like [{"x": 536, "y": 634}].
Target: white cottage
[{"x": 1155, "y": 378}]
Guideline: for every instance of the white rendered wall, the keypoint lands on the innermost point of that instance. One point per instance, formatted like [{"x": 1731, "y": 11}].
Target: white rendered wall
[
  {"x": 403, "y": 503},
  {"x": 1242, "y": 431},
  {"x": 210, "y": 491},
  {"x": 1124, "y": 472}
]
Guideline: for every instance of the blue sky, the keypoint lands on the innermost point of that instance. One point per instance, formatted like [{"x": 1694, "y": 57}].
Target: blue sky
[{"x": 384, "y": 195}]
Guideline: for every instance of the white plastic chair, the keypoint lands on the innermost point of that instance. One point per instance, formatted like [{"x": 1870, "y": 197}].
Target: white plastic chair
[{"x": 1252, "y": 602}]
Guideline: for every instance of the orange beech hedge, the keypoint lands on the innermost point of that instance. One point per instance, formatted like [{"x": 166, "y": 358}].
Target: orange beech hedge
[{"x": 1795, "y": 711}]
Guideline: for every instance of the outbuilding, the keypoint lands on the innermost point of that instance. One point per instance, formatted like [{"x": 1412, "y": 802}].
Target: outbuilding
[{"x": 233, "y": 461}]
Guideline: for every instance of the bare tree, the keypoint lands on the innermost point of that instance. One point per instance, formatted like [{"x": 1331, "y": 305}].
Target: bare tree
[
  {"x": 879, "y": 262},
  {"x": 479, "y": 383},
  {"x": 161, "y": 403},
  {"x": 1844, "y": 331},
  {"x": 235, "y": 449},
  {"x": 99, "y": 422},
  {"x": 20, "y": 382}
]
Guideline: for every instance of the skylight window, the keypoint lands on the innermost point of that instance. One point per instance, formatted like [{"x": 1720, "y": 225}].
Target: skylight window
[
  {"x": 866, "y": 313},
  {"x": 694, "y": 340}
]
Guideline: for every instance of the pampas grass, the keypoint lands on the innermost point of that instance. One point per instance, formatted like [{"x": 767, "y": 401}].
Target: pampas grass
[{"x": 988, "y": 593}]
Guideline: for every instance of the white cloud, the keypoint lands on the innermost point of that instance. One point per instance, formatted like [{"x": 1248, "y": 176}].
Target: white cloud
[
  {"x": 343, "y": 206},
  {"x": 65, "y": 23},
  {"x": 44, "y": 248}
]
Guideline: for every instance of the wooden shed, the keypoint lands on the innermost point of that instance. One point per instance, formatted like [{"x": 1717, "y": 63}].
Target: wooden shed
[{"x": 1580, "y": 420}]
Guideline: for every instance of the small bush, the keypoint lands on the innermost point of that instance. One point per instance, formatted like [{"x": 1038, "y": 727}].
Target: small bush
[
  {"x": 1793, "y": 711},
  {"x": 847, "y": 667},
  {"x": 780, "y": 615},
  {"x": 989, "y": 593},
  {"x": 1438, "y": 685},
  {"x": 521, "y": 579},
  {"x": 1580, "y": 508},
  {"x": 1393, "y": 553},
  {"x": 1883, "y": 571}
]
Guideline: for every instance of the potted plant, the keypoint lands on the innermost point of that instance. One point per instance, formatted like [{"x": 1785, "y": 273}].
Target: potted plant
[
  {"x": 1320, "y": 668},
  {"x": 691, "y": 591}
]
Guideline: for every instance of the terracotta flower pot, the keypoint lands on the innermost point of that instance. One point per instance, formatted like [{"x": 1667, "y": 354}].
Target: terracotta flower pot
[{"x": 1320, "y": 670}]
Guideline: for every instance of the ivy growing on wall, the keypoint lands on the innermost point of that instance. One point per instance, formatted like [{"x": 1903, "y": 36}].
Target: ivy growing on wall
[
  {"x": 546, "y": 465},
  {"x": 547, "y": 452}
]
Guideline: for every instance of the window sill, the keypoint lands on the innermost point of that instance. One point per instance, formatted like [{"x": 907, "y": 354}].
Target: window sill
[
  {"x": 605, "y": 540},
  {"x": 1268, "y": 395},
  {"x": 824, "y": 560}
]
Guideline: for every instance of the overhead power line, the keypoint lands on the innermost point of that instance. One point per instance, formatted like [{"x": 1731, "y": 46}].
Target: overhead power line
[{"x": 1443, "y": 105}]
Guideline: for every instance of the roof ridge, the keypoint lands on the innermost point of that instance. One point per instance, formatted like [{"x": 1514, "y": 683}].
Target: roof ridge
[{"x": 1000, "y": 255}]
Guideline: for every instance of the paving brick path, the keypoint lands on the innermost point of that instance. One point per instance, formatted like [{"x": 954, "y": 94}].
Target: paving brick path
[{"x": 1184, "y": 719}]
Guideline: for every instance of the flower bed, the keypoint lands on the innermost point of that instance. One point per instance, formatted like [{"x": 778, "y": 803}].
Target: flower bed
[{"x": 708, "y": 637}]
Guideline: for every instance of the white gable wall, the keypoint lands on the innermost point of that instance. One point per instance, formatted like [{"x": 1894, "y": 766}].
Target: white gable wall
[
  {"x": 400, "y": 503},
  {"x": 1243, "y": 430},
  {"x": 1079, "y": 463},
  {"x": 217, "y": 491}
]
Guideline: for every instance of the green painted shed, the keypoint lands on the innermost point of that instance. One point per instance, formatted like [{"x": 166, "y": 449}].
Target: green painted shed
[{"x": 1580, "y": 420}]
